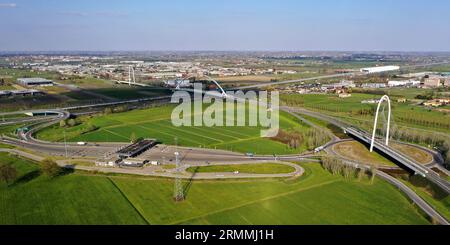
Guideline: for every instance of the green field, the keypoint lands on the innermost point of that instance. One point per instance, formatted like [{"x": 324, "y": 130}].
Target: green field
[
  {"x": 316, "y": 198},
  {"x": 156, "y": 123},
  {"x": 432, "y": 194},
  {"x": 263, "y": 168},
  {"x": 352, "y": 110},
  {"x": 70, "y": 199},
  {"x": 117, "y": 93}
]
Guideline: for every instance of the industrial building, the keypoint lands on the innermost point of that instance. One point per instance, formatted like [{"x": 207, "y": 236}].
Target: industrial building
[
  {"x": 406, "y": 83},
  {"x": 373, "y": 85},
  {"x": 380, "y": 69},
  {"x": 133, "y": 162},
  {"x": 447, "y": 82},
  {"x": 110, "y": 162},
  {"x": 23, "y": 92},
  {"x": 432, "y": 82},
  {"x": 35, "y": 81}
]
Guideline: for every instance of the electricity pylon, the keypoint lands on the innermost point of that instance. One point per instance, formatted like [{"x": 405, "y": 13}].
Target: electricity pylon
[{"x": 178, "y": 189}]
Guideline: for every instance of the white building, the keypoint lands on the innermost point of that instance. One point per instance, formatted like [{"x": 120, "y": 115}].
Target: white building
[
  {"x": 380, "y": 69},
  {"x": 405, "y": 83},
  {"x": 178, "y": 83},
  {"x": 373, "y": 85}
]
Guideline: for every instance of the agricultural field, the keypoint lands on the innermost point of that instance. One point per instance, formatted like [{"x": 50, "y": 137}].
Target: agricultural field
[
  {"x": 68, "y": 199},
  {"x": 123, "y": 93},
  {"x": 352, "y": 110},
  {"x": 117, "y": 93},
  {"x": 317, "y": 197},
  {"x": 156, "y": 123},
  {"x": 262, "y": 168}
]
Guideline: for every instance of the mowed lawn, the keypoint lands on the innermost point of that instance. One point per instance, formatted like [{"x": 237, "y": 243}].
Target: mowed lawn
[
  {"x": 156, "y": 123},
  {"x": 316, "y": 198},
  {"x": 70, "y": 199},
  {"x": 261, "y": 168}
]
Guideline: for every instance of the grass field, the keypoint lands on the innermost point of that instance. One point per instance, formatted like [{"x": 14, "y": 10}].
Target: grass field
[
  {"x": 156, "y": 123},
  {"x": 70, "y": 199},
  {"x": 263, "y": 168},
  {"x": 124, "y": 93},
  {"x": 431, "y": 194},
  {"x": 354, "y": 150},
  {"x": 315, "y": 198},
  {"x": 415, "y": 153}
]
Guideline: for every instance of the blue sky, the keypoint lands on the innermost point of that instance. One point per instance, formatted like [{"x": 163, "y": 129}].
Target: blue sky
[{"x": 354, "y": 25}]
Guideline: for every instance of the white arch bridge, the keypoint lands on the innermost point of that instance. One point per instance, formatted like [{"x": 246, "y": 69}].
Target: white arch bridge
[{"x": 383, "y": 147}]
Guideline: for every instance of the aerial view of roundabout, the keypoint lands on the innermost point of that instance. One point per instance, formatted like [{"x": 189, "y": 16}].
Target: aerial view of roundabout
[{"x": 121, "y": 146}]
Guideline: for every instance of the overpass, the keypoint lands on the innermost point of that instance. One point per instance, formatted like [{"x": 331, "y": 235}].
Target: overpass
[{"x": 399, "y": 157}]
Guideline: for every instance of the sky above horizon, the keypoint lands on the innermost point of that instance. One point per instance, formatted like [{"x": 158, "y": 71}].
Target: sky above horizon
[{"x": 284, "y": 25}]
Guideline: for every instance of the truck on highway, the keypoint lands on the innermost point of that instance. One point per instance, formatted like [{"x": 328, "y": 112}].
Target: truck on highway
[{"x": 81, "y": 143}]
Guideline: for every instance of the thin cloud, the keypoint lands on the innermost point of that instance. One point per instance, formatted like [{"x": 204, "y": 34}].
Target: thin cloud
[
  {"x": 8, "y": 5},
  {"x": 100, "y": 13},
  {"x": 73, "y": 13}
]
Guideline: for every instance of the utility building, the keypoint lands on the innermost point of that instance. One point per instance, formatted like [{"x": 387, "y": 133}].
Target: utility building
[
  {"x": 35, "y": 81},
  {"x": 136, "y": 149},
  {"x": 379, "y": 69}
]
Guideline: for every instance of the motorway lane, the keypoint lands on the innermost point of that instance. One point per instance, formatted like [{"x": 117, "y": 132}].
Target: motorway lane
[{"x": 155, "y": 171}]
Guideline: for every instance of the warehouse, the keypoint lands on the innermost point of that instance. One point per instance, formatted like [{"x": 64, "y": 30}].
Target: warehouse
[
  {"x": 36, "y": 81},
  {"x": 380, "y": 69}
]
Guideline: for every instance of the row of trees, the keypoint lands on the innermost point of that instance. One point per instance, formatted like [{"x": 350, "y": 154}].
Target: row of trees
[
  {"x": 315, "y": 138},
  {"x": 117, "y": 109},
  {"x": 293, "y": 139},
  {"x": 68, "y": 123},
  {"x": 338, "y": 167},
  {"x": 9, "y": 173},
  {"x": 294, "y": 101},
  {"x": 438, "y": 140},
  {"x": 425, "y": 120}
]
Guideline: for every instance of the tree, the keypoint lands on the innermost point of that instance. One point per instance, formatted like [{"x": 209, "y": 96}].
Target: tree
[
  {"x": 372, "y": 174},
  {"x": 361, "y": 173},
  {"x": 72, "y": 122},
  {"x": 108, "y": 111},
  {"x": 133, "y": 137},
  {"x": 7, "y": 173},
  {"x": 50, "y": 168}
]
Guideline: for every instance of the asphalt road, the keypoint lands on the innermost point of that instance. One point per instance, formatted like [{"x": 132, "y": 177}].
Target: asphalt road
[{"x": 155, "y": 171}]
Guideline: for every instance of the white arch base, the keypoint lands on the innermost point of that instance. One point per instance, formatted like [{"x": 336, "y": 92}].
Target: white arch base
[{"x": 384, "y": 98}]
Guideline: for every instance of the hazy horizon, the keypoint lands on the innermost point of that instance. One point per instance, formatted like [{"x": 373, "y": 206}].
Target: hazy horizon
[{"x": 239, "y": 26}]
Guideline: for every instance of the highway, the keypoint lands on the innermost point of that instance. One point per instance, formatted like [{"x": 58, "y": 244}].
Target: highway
[
  {"x": 155, "y": 171},
  {"x": 401, "y": 158}
]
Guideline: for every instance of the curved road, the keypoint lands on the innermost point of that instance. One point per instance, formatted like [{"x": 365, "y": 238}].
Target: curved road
[{"x": 156, "y": 172}]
